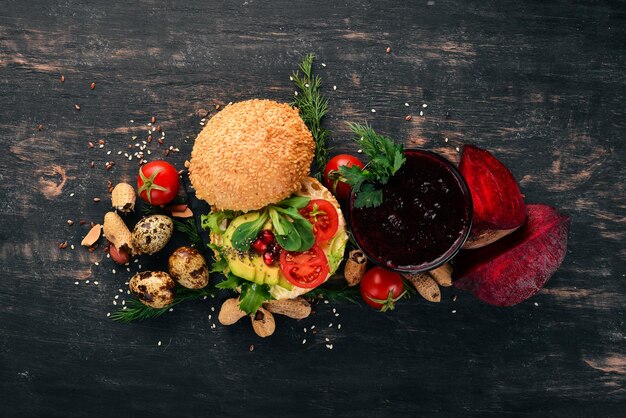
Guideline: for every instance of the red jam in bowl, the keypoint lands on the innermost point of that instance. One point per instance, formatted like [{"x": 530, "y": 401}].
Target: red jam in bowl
[{"x": 424, "y": 219}]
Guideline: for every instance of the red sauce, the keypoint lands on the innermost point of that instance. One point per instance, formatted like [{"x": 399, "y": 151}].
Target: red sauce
[{"x": 424, "y": 219}]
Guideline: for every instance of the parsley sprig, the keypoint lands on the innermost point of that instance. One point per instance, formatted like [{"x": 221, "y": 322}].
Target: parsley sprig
[
  {"x": 253, "y": 295},
  {"x": 385, "y": 159},
  {"x": 313, "y": 107}
]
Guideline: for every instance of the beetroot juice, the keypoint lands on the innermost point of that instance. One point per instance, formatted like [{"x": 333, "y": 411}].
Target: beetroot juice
[{"x": 425, "y": 217}]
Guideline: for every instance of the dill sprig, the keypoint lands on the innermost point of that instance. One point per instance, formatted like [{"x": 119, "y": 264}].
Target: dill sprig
[
  {"x": 189, "y": 228},
  {"x": 313, "y": 107},
  {"x": 137, "y": 311},
  {"x": 347, "y": 294}
]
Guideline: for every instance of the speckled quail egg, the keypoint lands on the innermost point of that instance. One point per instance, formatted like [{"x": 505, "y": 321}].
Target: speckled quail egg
[
  {"x": 152, "y": 233},
  {"x": 153, "y": 288},
  {"x": 188, "y": 267}
]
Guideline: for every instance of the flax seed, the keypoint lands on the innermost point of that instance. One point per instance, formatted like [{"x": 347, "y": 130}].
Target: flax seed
[{"x": 93, "y": 86}]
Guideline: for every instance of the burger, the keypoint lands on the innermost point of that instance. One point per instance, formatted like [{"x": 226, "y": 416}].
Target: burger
[{"x": 276, "y": 232}]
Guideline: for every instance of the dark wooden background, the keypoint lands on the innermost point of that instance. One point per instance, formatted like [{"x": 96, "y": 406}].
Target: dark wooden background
[{"x": 540, "y": 84}]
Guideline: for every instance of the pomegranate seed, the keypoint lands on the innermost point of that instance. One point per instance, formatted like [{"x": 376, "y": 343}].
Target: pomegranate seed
[
  {"x": 268, "y": 258},
  {"x": 267, "y": 236},
  {"x": 259, "y": 246}
]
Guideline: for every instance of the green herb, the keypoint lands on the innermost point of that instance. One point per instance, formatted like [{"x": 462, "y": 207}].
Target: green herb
[
  {"x": 313, "y": 107},
  {"x": 148, "y": 209},
  {"x": 189, "y": 228},
  {"x": 247, "y": 232},
  {"x": 385, "y": 159},
  {"x": 219, "y": 261},
  {"x": 348, "y": 294},
  {"x": 137, "y": 311},
  {"x": 214, "y": 220},
  {"x": 252, "y": 294},
  {"x": 293, "y": 232}
]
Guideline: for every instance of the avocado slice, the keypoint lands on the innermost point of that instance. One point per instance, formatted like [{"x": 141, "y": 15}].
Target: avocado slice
[{"x": 250, "y": 266}]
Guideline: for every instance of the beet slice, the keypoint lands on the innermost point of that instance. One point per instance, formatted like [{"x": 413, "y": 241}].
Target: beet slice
[
  {"x": 516, "y": 267},
  {"x": 498, "y": 204}
]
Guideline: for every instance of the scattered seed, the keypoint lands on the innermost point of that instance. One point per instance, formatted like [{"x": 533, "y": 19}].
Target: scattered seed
[
  {"x": 159, "y": 343},
  {"x": 217, "y": 107},
  {"x": 71, "y": 194},
  {"x": 153, "y": 119},
  {"x": 40, "y": 127},
  {"x": 96, "y": 283},
  {"x": 70, "y": 222},
  {"x": 453, "y": 298},
  {"x": 113, "y": 271},
  {"x": 330, "y": 325},
  {"x": 251, "y": 348},
  {"x": 407, "y": 118},
  {"x": 62, "y": 78},
  {"x": 96, "y": 199},
  {"x": 454, "y": 311},
  {"x": 446, "y": 140},
  {"x": 536, "y": 304},
  {"x": 160, "y": 141},
  {"x": 304, "y": 341},
  {"x": 406, "y": 104},
  {"x": 458, "y": 149},
  {"x": 167, "y": 152},
  {"x": 334, "y": 87},
  {"x": 86, "y": 281},
  {"x": 63, "y": 245},
  {"x": 92, "y": 86},
  {"x": 149, "y": 138},
  {"x": 77, "y": 107},
  {"x": 170, "y": 310},
  {"x": 159, "y": 128},
  {"x": 92, "y": 164},
  {"x": 72, "y": 246},
  {"x": 76, "y": 283},
  {"x": 339, "y": 326},
  {"x": 108, "y": 314},
  {"x": 388, "y": 50},
  {"x": 91, "y": 145},
  {"x": 373, "y": 110},
  {"x": 421, "y": 113}
]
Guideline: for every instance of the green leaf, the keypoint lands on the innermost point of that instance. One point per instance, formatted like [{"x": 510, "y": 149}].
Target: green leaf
[
  {"x": 252, "y": 296},
  {"x": 305, "y": 230},
  {"x": 294, "y": 201},
  {"x": 279, "y": 229},
  {"x": 368, "y": 197},
  {"x": 232, "y": 282},
  {"x": 213, "y": 220},
  {"x": 398, "y": 161},
  {"x": 247, "y": 232},
  {"x": 290, "y": 240}
]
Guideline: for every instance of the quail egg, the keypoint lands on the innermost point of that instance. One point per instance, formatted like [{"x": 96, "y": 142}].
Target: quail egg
[
  {"x": 188, "y": 267},
  {"x": 153, "y": 288},
  {"x": 152, "y": 233}
]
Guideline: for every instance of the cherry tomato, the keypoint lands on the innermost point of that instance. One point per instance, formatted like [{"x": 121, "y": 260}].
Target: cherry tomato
[
  {"x": 307, "y": 269},
  {"x": 382, "y": 288},
  {"x": 332, "y": 178},
  {"x": 323, "y": 215},
  {"x": 157, "y": 182}
]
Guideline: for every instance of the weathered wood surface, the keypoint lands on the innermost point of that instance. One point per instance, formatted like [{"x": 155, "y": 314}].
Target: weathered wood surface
[{"x": 541, "y": 84}]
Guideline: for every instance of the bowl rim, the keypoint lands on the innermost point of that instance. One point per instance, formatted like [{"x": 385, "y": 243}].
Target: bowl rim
[{"x": 453, "y": 250}]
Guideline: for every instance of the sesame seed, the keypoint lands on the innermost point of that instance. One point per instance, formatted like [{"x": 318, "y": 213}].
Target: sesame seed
[
  {"x": 96, "y": 263},
  {"x": 72, "y": 246},
  {"x": 159, "y": 343},
  {"x": 171, "y": 310},
  {"x": 115, "y": 303},
  {"x": 536, "y": 304},
  {"x": 336, "y": 314},
  {"x": 123, "y": 302},
  {"x": 334, "y": 87},
  {"x": 108, "y": 152},
  {"x": 406, "y": 104},
  {"x": 339, "y": 326},
  {"x": 329, "y": 346},
  {"x": 116, "y": 297},
  {"x": 212, "y": 309},
  {"x": 373, "y": 110},
  {"x": 446, "y": 140},
  {"x": 71, "y": 194},
  {"x": 334, "y": 310},
  {"x": 312, "y": 326},
  {"x": 132, "y": 121},
  {"x": 330, "y": 325},
  {"x": 108, "y": 314},
  {"x": 421, "y": 113},
  {"x": 424, "y": 105},
  {"x": 213, "y": 326},
  {"x": 86, "y": 281},
  {"x": 210, "y": 316},
  {"x": 204, "y": 298},
  {"x": 304, "y": 341},
  {"x": 304, "y": 329},
  {"x": 454, "y": 311},
  {"x": 326, "y": 339},
  {"x": 96, "y": 283},
  {"x": 120, "y": 290},
  {"x": 326, "y": 302},
  {"x": 323, "y": 65},
  {"x": 113, "y": 271},
  {"x": 458, "y": 149},
  {"x": 76, "y": 283}
]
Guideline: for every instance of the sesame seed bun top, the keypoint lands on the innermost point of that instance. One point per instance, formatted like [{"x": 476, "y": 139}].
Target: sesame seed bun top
[{"x": 251, "y": 154}]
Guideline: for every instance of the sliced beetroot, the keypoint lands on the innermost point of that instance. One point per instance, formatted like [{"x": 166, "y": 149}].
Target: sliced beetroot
[
  {"x": 516, "y": 267},
  {"x": 498, "y": 204}
]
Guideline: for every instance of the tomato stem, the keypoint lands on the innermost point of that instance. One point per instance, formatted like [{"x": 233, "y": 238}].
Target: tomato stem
[
  {"x": 388, "y": 304},
  {"x": 149, "y": 184}
]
